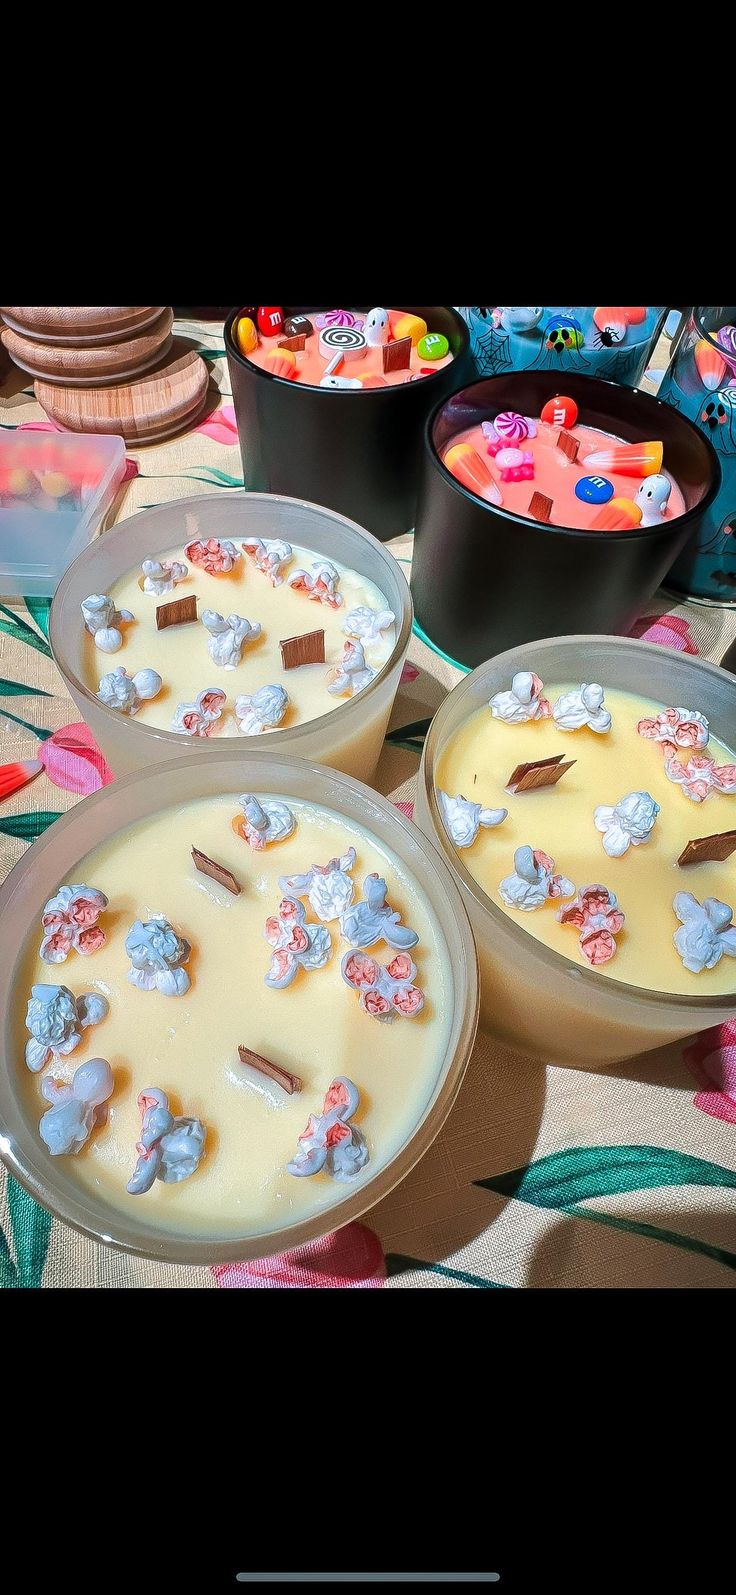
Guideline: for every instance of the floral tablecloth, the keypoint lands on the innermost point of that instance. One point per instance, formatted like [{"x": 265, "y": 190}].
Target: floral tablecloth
[{"x": 542, "y": 1176}]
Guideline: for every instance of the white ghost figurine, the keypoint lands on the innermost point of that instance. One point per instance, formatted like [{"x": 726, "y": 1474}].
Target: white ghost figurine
[
  {"x": 523, "y": 702},
  {"x": 76, "y": 1108},
  {"x": 583, "y": 707},
  {"x": 120, "y": 691},
  {"x": 652, "y": 498},
  {"x": 161, "y": 576},
  {"x": 335, "y": 381},
  {"x": 376, "y": 327},
  {"x": 706, "y": 931},
  {"x": 352, "y": 674},
  {"x": 463, "y": 819},
  {"x": 228, "y": 637},
  {"x": 628, "y": 824},
  {"x": 367, "y": 624},
  {"x": 262, "y": 710},
  {"x": 103, "y": 621},
  {"x": 533, "y": 881}
]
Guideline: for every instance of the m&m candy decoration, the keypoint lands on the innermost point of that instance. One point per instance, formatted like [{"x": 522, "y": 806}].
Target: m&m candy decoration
[
  {"x": 270, "y": 320},
  {"x": 560, "y": 411},
  {"x": 594, "y": 489}
]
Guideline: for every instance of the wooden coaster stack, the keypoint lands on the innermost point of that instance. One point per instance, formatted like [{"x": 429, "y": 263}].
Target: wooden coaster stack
[{"x": 108, "y": 368}]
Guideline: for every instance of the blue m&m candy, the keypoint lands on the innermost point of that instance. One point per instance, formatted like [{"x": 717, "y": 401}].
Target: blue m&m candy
[{"x": 594, "y": 489}]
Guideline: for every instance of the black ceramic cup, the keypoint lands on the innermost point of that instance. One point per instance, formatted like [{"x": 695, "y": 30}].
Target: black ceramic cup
[
  {"x": 484, "y": 579},
  {"x": 357, "y": 453}
]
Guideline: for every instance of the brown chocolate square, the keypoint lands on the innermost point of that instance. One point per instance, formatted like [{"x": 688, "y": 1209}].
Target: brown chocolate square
[
  {"x": 178, "y": 613},
  {"x": 540, "y": 506},
  {"x": 397, "y": 355},
  {"x": 568, "y": 444},
  {"x": 306, "y": 649},
  {"x": 541, "y": 772},
  {"x": 703, "y": 849},
  {"x": 217, "y": 872}
]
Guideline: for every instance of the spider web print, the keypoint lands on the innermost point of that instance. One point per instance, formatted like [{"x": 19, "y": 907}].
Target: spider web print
[
  {"x": 621, "y": 364},
  {"x": 549, "y": 360},
  {"x": 494, "y": 350}
]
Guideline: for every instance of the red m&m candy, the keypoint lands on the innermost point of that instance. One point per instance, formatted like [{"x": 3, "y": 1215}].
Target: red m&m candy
[
  {"x": 270, "y": 320},
  {"x": 560, "y": 411}
]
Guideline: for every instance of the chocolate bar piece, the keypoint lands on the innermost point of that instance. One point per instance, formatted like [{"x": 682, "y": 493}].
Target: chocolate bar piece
[
  {"x": 568, "y": 444},
  {"x": 703, "y": 849},
  {"x": 289, "y": 1082},
  {"x": 218, "y": 872},
  {"x": 540, "y": 506},
  {"x": 295, "y": 326},
  {"x": 295, "y": 342},
  {"x": 397, "y": 355},
  {"x": 306, "y": 649},
  {"x": 177, "y": 613},
  {"x": 541, "y": 772}
]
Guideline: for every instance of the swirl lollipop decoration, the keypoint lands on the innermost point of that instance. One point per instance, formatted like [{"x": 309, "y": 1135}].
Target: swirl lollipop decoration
[{"x": 346, "y": 341}]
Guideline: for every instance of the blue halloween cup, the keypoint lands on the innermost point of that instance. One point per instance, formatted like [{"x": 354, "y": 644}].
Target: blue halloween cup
[
  {"x": 701, "y": 382},
  {"x": 553, "y": 338}
]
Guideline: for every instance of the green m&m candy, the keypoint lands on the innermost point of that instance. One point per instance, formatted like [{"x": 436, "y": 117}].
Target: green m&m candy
[{"x": 433, "y": 346}]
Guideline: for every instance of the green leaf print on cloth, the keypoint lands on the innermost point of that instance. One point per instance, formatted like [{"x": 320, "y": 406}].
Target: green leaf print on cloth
[
  {"x": 20, "y": 631},
  {"x": 28, "y": 826},
  {"x": 39, "y": 609},
  {"x": 30, "y": 1227},
  {"x": 18, "y": 689}
]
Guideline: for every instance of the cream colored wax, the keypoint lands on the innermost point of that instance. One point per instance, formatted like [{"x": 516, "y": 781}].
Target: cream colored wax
[
  {"x": 188, "y": 1046},
  {"x": 558, "y": 820},
  {"x": 179, "y": 653}
]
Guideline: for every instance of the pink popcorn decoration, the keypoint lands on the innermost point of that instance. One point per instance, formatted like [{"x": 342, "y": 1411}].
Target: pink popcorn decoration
[
  {"x": 70, "y": 920},
  {"x": 699, "y": 776},
  {"x": 595, "y": 913},
  {"x": 680, "y": 728},
  {"x": 215, "y": 556},
  {"x": 198, "y": 719},
  {"x": 295, "y": 943},
  {"x": 384, "y": 989}
]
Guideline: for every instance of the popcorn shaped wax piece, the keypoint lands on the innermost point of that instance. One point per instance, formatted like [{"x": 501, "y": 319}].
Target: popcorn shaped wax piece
[
  {"x": 523, "y": 702},
  {"x": 69, "y": 921},
  {"x": 327, "y": 886},
  {"x": 198, "y": 719},
  {"x": 216, "y": 556},
  {"x": 330, "y": 1141},
  {"x": 699, "y": 776},
  {"x": 367, "y": 624},
  {"x": 706, "y": 932},
  {"x": 262, "y": 710},
  {"x": 385, "y": 990},
  {"x": 652, "y": 498},
  {"x": 462, "y": 819},
  {"x": 629, "y": 823},
  {"x": 120, "y": 691},
  {"x": 156, "y": 954},
  {"x": 161, "y": 576},
  {"x": 296, "y": 944},
  {"x": 56, "y": 1020},
  {"x": 76, "y": 1108},
  {"x": 372, "y": 920},
  {"x": 102, "y": 620},
  {"x": 265, "y": 821},
  {"x": 352, "y": 674},
  {"x": 171, "y": 1147},
  {"x": 320, "y": 584},
  {"x": 597, "y": 916},
  {"x": 680, "y": 728},
  {"x": 228, "y": 637},
  {"x": 584, "y": 707},
  {"x": 271, "y": 556},
  {"x": 533, "y": 881}
]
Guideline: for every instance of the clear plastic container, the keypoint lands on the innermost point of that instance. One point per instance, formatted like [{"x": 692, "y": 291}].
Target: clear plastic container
[
  {"x": 531, "y": 996},
  {"x": 348, "y": 737},
  {"x": 55, "y": 488},
  {"x": 223, "y": 769}
]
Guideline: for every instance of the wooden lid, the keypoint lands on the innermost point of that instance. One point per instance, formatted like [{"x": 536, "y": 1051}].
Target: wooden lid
[
  {"x": 103, "y": 362},
  {"x": 79, "y": 324},
  {"x": 151, "y": 407}
]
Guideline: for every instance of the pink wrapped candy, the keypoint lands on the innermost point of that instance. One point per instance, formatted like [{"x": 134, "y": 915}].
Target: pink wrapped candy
[{"x": 515, "y": 465}]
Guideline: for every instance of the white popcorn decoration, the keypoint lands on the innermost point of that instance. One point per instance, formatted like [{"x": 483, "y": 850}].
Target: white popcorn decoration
[
  {"x": 161, "y": 576},
  {"x": 331, "y": 1141},
  {"x": 367, "y": 624},
  {"x": 56, "y": 1020},
  {"x": 76, "y": 1108},
  {"x": 265, "y": 820},
  {"x": 523, "y": 702},
  {"x": 320, "y": 584},
  {"x": 118, "y": 690},
  {"x": 271, "y": 556},
  {"x": 328, "y": 886},
  {"x": 262, "y": 710},
  {"x": 706, "y": 932},
  {"x": 352, "y": 674},
  {"x": 199, "y": 719},
  {"x": 583, "y": 707},
  {"x": 171, "y": 1146},
  {"x": 372, "y": 919},
  {"x": 228, "y": 637},
  {"x": 627, "y": 824},
  {"x": 103, "y": 621},
  {"x": 533, "y": 881},
  {"x": 462, "y": 819},
  {"x": 156, "y": 954}
]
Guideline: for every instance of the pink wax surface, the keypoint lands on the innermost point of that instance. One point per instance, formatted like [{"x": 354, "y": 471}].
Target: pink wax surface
[
  {"x": 556, "y": 476},
  {"x": 311, "y": 364}
]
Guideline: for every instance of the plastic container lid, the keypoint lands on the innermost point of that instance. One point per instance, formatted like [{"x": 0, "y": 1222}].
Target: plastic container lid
[{"x": 55, "y": 489}]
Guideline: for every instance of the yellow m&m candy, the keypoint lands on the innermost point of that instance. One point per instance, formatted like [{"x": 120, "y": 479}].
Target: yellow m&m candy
[{"x": 246, "y": 335}]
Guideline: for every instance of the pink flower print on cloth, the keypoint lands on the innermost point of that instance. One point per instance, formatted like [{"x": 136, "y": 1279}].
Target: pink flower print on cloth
[
  {"x": 699, "y": 776},
  {"x": 680, "y": 728},
  {"x": 349, "y": 1259},
  {"x": 385, "y": 990},
  {"x": 69, "y": 922},
  {"x": 72, "y": 760},
  {"x": 712, "y": 1059},
  {"x": 667, "y": 630},
  {"x": 295, "y": 943},
  {"x": 595, "y": 913}
]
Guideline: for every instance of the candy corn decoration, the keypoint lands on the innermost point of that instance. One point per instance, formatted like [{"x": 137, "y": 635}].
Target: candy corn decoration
[
  {"x": 14, "y": 776},
  {"x": 629, "y": 459},
  {"x": 710, "y": 365},
  {"x": 618, "y": 515},
  {"x": 469, "y": 468},
  {"x": 613, "y": 322},
  {"x": 281, "y": 363}
]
